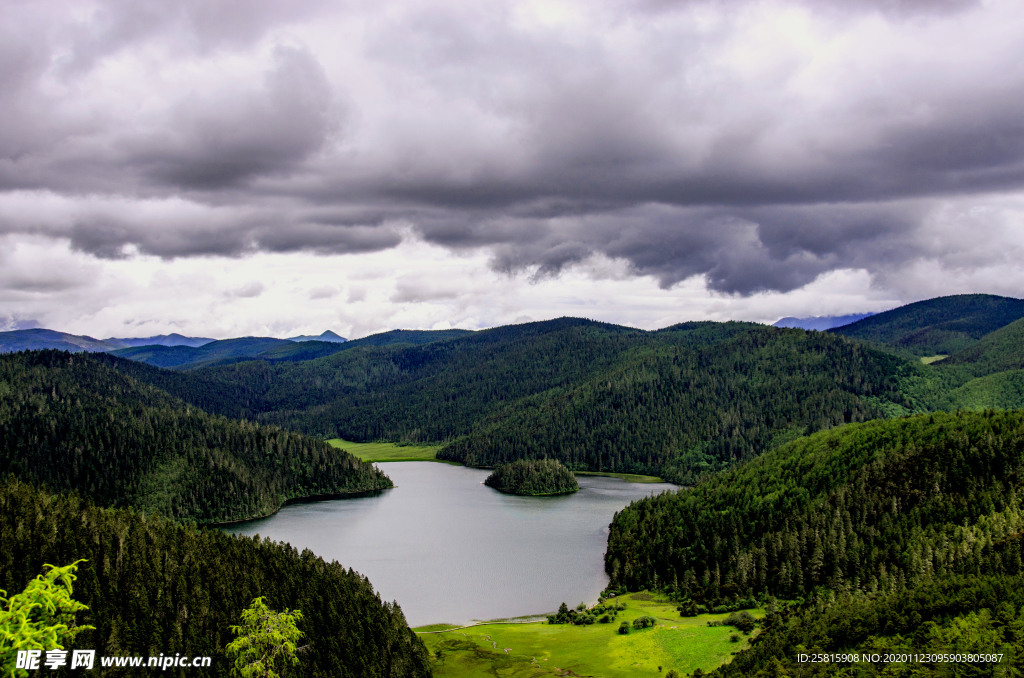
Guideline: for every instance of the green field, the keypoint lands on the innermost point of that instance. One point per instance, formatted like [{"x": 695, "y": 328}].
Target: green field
[
  {"x": 387, "y": 451},
  {"x": 628, "y": 477},
  {"x": 541, "y": 649},
  {"x": 396, "y": 452},
  {"x": 928, "y": 360}
]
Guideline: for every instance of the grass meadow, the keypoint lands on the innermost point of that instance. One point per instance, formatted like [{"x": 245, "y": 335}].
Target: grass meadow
[
  {"x": 396, "y": 452},
  {"x": 540, "y": 649},
  {"x": 628, "y": 477},
  {"x": 387, "y": 451}
]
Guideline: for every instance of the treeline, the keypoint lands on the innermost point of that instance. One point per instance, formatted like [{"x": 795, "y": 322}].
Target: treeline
[
  {"x": 153, "y": 586},
  {"x": 880, "y": 506},
  {"x": 71, "y": 423},
  {"x": 533, "y": 477},
  {"x": 680, "y": 403}
]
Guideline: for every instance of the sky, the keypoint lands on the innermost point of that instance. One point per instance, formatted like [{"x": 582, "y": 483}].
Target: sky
[{"x": 272, "y": 167}]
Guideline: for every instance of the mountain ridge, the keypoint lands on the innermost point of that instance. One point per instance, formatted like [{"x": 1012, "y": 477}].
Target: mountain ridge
[{"x": 943, "y": 325}]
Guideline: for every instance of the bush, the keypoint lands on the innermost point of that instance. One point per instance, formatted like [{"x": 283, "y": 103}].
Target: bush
[
  {"x": 606, "y": 619},
  {"x": 643, "y": 622},
  {"x": 741, "y": 620},
  {"x": 624, "y": 628}
]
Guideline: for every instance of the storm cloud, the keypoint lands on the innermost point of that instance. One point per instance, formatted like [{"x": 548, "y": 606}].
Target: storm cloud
[{"x": 757, "y": 144}]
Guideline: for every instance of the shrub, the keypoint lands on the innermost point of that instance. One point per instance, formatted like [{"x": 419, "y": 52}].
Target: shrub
[
  {"x": 624, "y": 628},
  {"x": 741, "y": 620},
  {"x": 644, "y": 621}
]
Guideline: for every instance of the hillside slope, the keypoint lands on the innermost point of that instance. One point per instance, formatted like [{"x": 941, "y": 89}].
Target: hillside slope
[
  {"x": 188, "y": 357},
  {"x": 879, "y": 527},
  {"x": 679, "y": 410},
  {"x": 679, "y": 402},
  {"x": 942, "y": 325},
  {"x": 73, "y": 424},
  {"x": 998, "y": 351},
  {"x": 153, "y": 586}
]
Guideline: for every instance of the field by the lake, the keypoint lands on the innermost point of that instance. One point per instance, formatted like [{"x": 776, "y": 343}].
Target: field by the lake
[
  {"x": 540, "y": 649},
  {"x": 628, "y": 477},
  {"x": 387, "y": 451}
]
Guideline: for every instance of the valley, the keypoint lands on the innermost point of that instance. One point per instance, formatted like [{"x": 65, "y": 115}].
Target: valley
[{"x": 858, "y": 489}]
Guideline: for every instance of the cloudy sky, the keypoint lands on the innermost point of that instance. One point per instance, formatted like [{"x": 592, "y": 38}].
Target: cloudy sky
[{"x": 270, "y": 167}]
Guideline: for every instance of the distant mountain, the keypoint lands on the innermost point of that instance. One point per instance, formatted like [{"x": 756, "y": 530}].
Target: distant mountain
[
  {"x": 173, "y": 339},
  {"x": 297, "y": 349},
  {"x": 38, "y": 339},
  {"x": 943, "y": 325},
  {"x": 220, "y": 352},
  {"x": 30, "y": 340},
  {"x": 821, "y": 322},
  {"x": 326, "y": 336}
]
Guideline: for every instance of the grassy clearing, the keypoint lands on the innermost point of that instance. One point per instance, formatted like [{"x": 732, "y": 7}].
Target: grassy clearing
[
  {"x": 387, "y": 451},
  {"x": 929, "y": 359},
  {"x": 541, "y": 649},
  {"x": 628, "y": 477}
]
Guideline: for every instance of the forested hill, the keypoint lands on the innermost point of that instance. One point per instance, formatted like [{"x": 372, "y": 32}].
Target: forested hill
[
  {"x": 943, "y": 325},
  {"x": 153, "y": 586},
  {"x": 677, "y": 403},
  {"x": 71, "y": 423},
  {"x": 1000, "y": 351},
  {"x": 893, "y": 519},
  {"x": 681, "y": 410},
  {"x": 533, "y": 477},
  {"x": 229, "y": 351}
]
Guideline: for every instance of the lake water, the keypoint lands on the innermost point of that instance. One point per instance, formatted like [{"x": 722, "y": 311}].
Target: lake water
[{"x": 450, "y": 549}]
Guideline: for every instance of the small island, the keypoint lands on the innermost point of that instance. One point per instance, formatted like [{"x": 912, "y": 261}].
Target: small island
[{"x": 533, "y": 477}]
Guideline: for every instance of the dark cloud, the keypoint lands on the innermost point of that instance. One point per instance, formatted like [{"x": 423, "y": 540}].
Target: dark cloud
[
  {"x": 209, "y": 143},
  {"x": 759, "y": 144},
  {"x": 741, "y": 250}
]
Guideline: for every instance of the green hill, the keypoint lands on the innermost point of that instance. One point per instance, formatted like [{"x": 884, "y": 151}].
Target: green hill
[
  {"x": 300, "y": 350},
  {"x": 413, "y": 337},
  {"x": 230, "y": 351},
  {"x": 998, "y": 351},
  {"x": 187, "y": 357},
  {"x": 533, "y": 477},
  {"x": 679, "y": 409},
  {"x": 153, "y": 586},
  {"x": 987, "y": 374},
  {"x": 71, "y": 423},
  {"x": 676, "y": 403},
  {"x": 943, "y": 325},
  {"x": 879, "y": 527}
]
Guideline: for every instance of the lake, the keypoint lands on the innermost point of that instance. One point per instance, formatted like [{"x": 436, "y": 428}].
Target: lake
[{"x": 450, "y": 549}]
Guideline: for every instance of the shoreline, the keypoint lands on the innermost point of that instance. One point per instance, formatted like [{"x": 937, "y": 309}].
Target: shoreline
[
  {"x": 486, "y": 623},
  {"x": 306, "y": 499}
]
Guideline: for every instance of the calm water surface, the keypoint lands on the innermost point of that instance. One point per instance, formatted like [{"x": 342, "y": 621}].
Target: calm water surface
[{"x": 450, "y": 549}]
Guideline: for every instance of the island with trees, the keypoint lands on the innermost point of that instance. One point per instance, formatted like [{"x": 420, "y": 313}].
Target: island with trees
[{"x": 533, "y": 477}]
